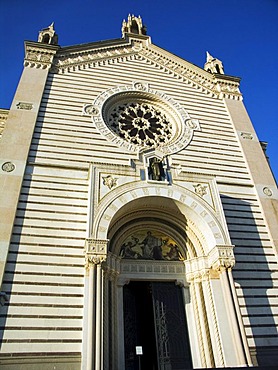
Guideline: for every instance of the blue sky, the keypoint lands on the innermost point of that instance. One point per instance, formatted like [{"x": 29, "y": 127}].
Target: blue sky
[{"x": 241, "y": 33}]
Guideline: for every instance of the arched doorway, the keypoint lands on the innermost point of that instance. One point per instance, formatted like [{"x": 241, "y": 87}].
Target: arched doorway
[
  {"x": 202, "y": 275},
  {"x": 149, "y": 242}
]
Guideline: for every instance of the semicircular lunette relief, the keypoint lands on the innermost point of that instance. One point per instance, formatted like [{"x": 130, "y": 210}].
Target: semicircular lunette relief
[
  {"x": 137, "y": 119},
  {"x": 151, "y": 245}
]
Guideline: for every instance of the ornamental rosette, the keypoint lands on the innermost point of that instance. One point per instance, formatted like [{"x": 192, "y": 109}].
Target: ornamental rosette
[
  {"x": 141, "y": 124},
  {"x": 137, "y": 118}
]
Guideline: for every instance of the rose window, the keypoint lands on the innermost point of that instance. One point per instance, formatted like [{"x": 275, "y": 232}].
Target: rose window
[{"x": 141, "y": 124}]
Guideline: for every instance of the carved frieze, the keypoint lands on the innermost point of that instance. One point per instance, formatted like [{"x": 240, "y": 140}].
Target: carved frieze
[
  {"x": 229, "y": 89},
  {"x": 38, "y": 57},
  {"x": 64, "y": 61},
  {"x": 155, "y": 268},
  {"x": 226, "y": 88},
  {"x": 95, "y": 252},
  {"x": 209, "y": 267},
  {"x": 96, "y": 246},
  {"x": 222, "y": 256},
  {"x": 137, "y": 49}
]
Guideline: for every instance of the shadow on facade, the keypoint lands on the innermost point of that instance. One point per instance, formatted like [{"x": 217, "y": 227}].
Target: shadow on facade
[
  {"x": 253, "y": 278},
  {"x": 12, "y": 259},
  {"x": 9, "y": 276}
]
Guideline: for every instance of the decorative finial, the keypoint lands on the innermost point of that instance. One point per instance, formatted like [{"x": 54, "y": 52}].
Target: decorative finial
[
  {"x": 209, "y": 57},
  {"x": 48, "y": 35},
  {"x": 133, "y": 25},
  {"x": 213, "y": 65}
]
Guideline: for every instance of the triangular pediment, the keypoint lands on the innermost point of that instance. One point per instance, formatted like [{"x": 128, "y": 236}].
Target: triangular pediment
[{"x": 140, "y": 48}]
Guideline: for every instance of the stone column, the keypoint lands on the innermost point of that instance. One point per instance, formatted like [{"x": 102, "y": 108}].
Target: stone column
[
  {"x": 119, "y": 327},
  {"x": 221, "y": 339},
  {"x": 111, "y": 319},
  {"x": 201, "y": 318},
  {"x": 212, "y": 320},
  {"x": 88, "y": 354},
  {"x": 99, "y": 319},
  {"x": 232, "y": 317},
  {"x": 232, "y": 338},
  {"x": 190, "y": 304},
  {"x": 92, "y": 351}
]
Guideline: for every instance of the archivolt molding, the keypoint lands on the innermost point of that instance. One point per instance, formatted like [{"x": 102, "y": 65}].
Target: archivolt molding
[
  {"x": 196, "y": 210},
  {"x": 185, "y": 233}
]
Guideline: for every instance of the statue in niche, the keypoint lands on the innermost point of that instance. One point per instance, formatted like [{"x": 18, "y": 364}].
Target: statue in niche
[
  {"x": 149, "y": 245},
  {"x": 156, "y": 170}
]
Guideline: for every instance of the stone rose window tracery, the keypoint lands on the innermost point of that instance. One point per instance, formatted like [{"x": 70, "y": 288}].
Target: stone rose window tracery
[
  {"x": 141, "y": 124},
  {"x": 138, "y": 118}
]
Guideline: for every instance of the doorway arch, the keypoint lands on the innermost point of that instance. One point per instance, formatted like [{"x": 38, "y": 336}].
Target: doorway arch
[
  {"x": 205, "y": 220},
  {"x": 158, "y": 278},
  {"x": 202, "y": 236}
]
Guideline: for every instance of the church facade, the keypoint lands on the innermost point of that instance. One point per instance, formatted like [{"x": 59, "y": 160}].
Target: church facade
[{"x": 138, "y": 213}]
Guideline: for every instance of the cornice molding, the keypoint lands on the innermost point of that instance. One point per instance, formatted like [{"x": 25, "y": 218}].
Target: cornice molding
[
  {"x": 121, "y": 50},
  {"x": 68, "y": 59},
  {"x": 220, "y": 86},
  {"x": 38, "y": 55}
]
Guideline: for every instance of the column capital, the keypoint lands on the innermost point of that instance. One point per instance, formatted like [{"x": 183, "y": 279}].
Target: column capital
[
  {"x": 221, "y": 257},
  {"x": 198, "y": 276},
  {"x": 202, "y": 268},
  {"x": 96, "y": 246},
  {"x": 94, "y": 259},
  {"x": 95, "y": 251}
]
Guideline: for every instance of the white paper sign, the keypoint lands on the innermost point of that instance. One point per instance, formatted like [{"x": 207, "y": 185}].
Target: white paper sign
[{"x": 139, "y": 350}]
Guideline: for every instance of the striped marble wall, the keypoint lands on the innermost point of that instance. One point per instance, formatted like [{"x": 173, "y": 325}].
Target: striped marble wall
[{"x": 46, "y": 261}]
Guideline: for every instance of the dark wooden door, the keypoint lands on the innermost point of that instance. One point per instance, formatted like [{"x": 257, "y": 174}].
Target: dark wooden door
[{"x": 155, "y": 319}]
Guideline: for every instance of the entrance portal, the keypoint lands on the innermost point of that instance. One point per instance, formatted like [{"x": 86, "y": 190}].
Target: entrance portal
[{"x": 154, "y": 318}]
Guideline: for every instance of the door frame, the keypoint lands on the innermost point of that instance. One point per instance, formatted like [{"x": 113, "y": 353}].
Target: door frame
[{"x": 156, "y": 271}]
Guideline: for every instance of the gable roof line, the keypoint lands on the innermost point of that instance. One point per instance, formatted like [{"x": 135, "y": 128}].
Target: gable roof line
[{"x": 119, "y": 50}]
